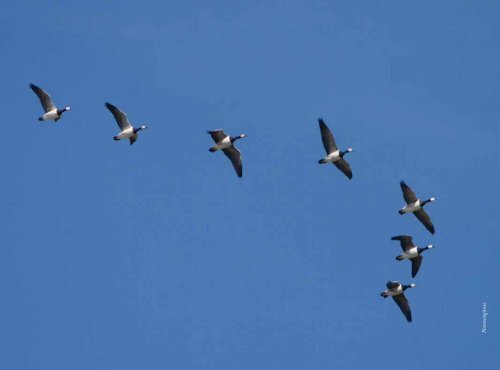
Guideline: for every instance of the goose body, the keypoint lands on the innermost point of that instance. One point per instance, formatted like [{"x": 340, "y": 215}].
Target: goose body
[
  {"x": 333, "y": 154},
  {"x": 332, "y": 157},
  {"x": 396, "y": 290},
  {"x": 416, "y": 206},
  {"x": 225, "y": 143},
  {"x": 411, "y": 252},
  {"x": 51, "y": 111},
  {"x": 127, "y": 130},
  {"x": 50, "y": 115},
  {"x": 125, "y": 134},
  {"x": 412, "y": 207}
]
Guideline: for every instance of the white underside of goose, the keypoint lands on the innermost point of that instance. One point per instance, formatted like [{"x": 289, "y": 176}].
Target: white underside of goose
[
  {"x": 411, "y": 253},
  {"x": 125, "y": 134},
  {"x": 391, "y": 293},
  {"x": 223, "y": 144},
  {"x": 52, "y": 114},
  {"x": 333, "y": 157},
  {"x": 412, "y": 207}
]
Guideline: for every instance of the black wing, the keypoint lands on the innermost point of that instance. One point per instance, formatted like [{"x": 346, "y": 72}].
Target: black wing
[
  {"x": 133, "y": 139},
  {"x": 392, "y": 284},
  {"x": 327, "y": 137},
  {"x": 45, "y": 98},
  {"x": 406, "y": 241},
  {"x": 342, "y": 165},
  {"x": 403, "y": 304},
  {"x": 217, "y": 135},
  {"x": 425, "y": 219},
  {"x": 408, "y": 194},
  {"x": 235, "y": 156},
  {"x": 415, "y": 265},
  {"x": 120, "y": 117}
]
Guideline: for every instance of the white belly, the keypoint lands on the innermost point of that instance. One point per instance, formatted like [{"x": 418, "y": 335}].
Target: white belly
[
  {"x": 224, "y": 143},
  {"x": 396, "y": 291},
  {"x": 50, "y": 115},
  {"x": 412, "y": 207},
  {"x": 333, "y": 157},
  {"x": 125, "y": 134},
  {"x": 390, "y": 293},
  {"x": 410, "y": 253}
]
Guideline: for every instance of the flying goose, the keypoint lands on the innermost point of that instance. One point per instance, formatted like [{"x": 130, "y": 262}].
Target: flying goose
[
  {"x": 51, "y": 112},
  {"x": 411, "y": 252},
  {"x": 334, "y": 155},
  {"x": 416, "y": 206},
  {"x": 225, "y": 143},
  {"x": 395, "y": 290},
  {"x": 127, "y": 130}
]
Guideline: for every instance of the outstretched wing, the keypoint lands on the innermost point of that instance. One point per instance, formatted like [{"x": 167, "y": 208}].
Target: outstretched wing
[
  {"x": 120, "y": 117},
  {"x": 217, "y": 135},
  {"x": 45, "y": 98},
  {"x": 235, "y": 156},
  {"x": 133, "y": 138},
  {"x": 342, "y": 165},
  {"x": 425, "y": 219},
  {"x": 408, "y": 194},
  {"x": 327, "y": 137},
  {"x": 415, "y": 265},
  {"x": 392, "y": 284},
  {"x": 403, "y": 304},
  {"x": 406, "y": 241}
]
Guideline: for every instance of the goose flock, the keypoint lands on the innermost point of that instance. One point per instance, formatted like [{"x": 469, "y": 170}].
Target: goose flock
[
  {"x": 410, "y": 251},
  {"x": 334, "y": 155}
]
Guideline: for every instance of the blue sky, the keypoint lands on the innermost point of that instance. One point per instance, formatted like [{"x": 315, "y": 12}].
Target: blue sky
[{"x": 157, "y": 256}]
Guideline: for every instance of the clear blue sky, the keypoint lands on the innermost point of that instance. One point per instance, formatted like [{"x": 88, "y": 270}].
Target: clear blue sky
[{"x": 157, "y": 256}]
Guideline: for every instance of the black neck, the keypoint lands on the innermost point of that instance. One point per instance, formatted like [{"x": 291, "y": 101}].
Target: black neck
[
  {"x": 137, "y": 129},
  {"x": 406, "y": 287},
  {"x": 425, "y": 202},
  {"x": 234, "y": 138},
  {"x": 60, "y": 111},
  {"x": 343, "y": 152},
  {"x": 420, "y": 250}
]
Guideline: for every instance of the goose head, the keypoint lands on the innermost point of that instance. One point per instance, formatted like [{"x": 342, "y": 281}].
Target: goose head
[
  {"x": 342, "y": 153},
  {"x": 137, "y": 129},
  {"x": 234, "y": 138},
  {"x": 421, "y": 250},
  {"x": 430, "y": 200},
  {"x": 61, "y": 111},
  {"x": 408, "y": 286}
]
